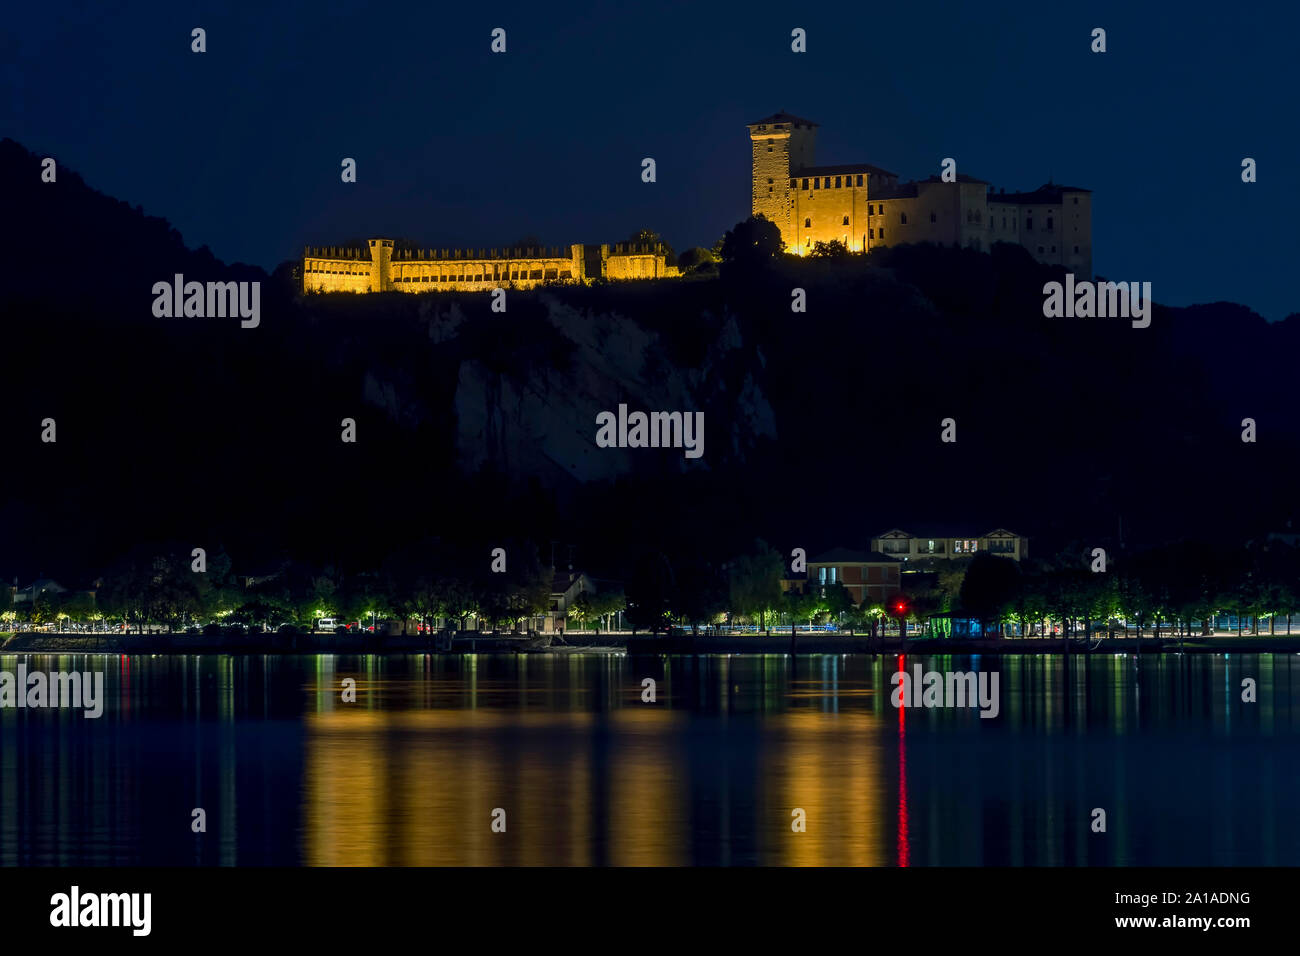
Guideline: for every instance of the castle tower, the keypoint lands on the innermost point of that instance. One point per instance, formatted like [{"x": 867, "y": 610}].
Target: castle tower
[
  {"x": 782, "y": 145},
  {"x": 381, "y": 265}
]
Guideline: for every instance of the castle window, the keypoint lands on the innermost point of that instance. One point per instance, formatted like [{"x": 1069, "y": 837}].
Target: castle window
[
  {"x": 771, "y": 180},
  {"x": 1029, "y": 224},
  {"x": 902, "y": 218},
  {"x": 807, "y": 223},
  {"x": 1076, "y": 250},
  {"x": 871, "y": 209},
  {"x": 1053, "y": 248},
  {"x": 838, "y": 183},
  {"x": 1004, "y": 222},
  {"x": 794, "y": 183},
  {"x": 769, "y": 188},
  {"x": 933, "y": 218},
  {"x": 1076, "y": 202},
  {"x": 846, "y": 220},
  {"x": 1040, "y": 249},
  {"x": 769, "y": 149},
  {"x": 1049, "y": 223},
  {"x": 882, "y": 232},
  {"x": 859, "y": 180},
  {"x": 805, "y": 184},
  {"x": 828, "y": 182},
  {"x": 871, "y": 233},
  {"x": 817, "y": 183}
]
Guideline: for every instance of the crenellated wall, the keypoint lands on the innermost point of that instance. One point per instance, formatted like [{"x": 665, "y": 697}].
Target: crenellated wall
[{"x": 380, "y": 268}]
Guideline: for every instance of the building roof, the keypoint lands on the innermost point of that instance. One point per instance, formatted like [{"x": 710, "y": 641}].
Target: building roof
[
  {"x": 961, "y": 178},
  {"x": 1046, "y": 194},
  {"x": 899, "y": 191},
  {"x": 845, "y": 168},
  {"x": 929, "y": 532},
  {"x": 850, "y": 556},
  {"x": 783, "y": 117}
]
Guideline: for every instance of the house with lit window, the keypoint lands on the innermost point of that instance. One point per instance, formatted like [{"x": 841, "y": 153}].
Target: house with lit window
[
  {"x": 870, "y": 577},
  {"x": 909, "y": 546}
]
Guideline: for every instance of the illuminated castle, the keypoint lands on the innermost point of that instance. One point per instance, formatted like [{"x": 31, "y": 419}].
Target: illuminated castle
[
  {"x": 864, "y": 206},
  {"x": 860, "y": 205},
  {"x": 378, "y": 267}
]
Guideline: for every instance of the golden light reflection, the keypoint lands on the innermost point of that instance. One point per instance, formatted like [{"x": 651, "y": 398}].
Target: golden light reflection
[{"x": 418, "y": 787}]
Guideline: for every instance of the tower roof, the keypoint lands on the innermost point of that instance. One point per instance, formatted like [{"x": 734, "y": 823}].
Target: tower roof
[{"x": 783, "y": 117}]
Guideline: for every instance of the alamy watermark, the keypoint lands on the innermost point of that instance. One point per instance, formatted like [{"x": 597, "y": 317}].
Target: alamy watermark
[
  {"x": 75, "y": 908},
  {"x": 212, "y": 300},
  {"x": 81, "y": 689},
  {"x": 1098, "y": 300},
  {"x": 651, "y": 430},
  {"x": 946, "y": 689}
]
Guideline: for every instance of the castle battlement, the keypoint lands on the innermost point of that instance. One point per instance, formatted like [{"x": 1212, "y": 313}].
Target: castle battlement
[
  {"x": 865, "y": 207},
  {"x": 381, "y": 268}
]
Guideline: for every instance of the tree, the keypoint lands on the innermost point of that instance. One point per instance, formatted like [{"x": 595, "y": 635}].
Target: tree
[
  {"x": 754, "y": 242},
  {"x": 990, "y": 588},
  {"x": 604, "y": 604},
  {"x": 649, "y": 593},
  {"x": 835, "y": 249},
  {"x": 755, "y": 582},
  {"x": 701, "y": 593},
  {"x": 698, "y": 260}
]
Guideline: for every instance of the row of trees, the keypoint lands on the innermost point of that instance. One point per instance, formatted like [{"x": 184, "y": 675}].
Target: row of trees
[
  {"x": 172, "y": 587},
  {"x": 1172, "y": 588},
  {"x": 1169, "y": 588}
]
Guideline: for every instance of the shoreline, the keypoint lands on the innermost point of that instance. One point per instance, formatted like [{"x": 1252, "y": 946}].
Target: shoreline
[{"x": 31, "y": 642}]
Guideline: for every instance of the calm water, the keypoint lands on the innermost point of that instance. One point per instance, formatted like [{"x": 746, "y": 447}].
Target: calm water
[{"x": 588, "y": 774}]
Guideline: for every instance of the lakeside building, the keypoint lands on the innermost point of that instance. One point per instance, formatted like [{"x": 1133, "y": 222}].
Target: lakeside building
[
  {"x": 566, "y": 588},
  {"x": 906, "y": 546},
  {"x": 870, "y": 577},
  {"x": 865, "y": 206}
]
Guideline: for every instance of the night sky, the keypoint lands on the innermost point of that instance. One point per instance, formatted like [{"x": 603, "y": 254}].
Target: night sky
[{"x": 240, "y": 147}]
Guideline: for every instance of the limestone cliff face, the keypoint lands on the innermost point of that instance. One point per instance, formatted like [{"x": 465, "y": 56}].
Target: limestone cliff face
[{"x": 542, "y": 420}]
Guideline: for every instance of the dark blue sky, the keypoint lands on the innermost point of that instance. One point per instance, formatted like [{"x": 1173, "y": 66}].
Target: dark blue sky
[{"x": 240, "y": 147}]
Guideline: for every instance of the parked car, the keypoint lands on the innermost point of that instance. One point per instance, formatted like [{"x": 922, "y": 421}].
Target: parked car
[{"x": 325, "y": 624}]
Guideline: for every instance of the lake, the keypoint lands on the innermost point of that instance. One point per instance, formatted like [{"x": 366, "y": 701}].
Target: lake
[{"x": 736, "y": 750}]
